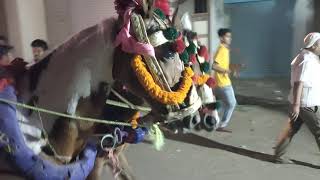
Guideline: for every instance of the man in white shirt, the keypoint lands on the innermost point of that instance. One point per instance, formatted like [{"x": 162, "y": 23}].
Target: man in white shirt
[{"x": 304, "y": 96}]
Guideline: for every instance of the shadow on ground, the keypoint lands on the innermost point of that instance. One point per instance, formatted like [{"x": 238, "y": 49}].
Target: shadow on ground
[{"x": 205, "y": 142}]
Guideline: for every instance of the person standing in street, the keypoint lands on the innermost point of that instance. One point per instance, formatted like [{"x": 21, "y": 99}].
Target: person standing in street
[
  {"x": 304, "y": 96},
  {"x": 224, "y": 90}
]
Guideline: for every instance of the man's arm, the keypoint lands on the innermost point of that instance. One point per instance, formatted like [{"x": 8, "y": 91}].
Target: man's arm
[
  {"x": 297, "y": 92},
  {"x": 219, "y": 69}
]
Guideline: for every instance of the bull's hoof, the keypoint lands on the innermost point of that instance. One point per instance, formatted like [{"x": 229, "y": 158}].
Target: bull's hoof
[{"x": 209, "y": 123}]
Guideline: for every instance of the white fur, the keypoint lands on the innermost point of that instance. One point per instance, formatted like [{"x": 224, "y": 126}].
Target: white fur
[
  {"x": 76, "y": 68},
  {"x": 32, "y": 134}
]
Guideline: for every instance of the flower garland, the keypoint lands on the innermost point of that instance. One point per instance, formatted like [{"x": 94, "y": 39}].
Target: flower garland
[
  {"x": 155, "y": 91},
  {"x": 201, "y": 80},
  {"x": 192, "y": 54},
  {"x": 134, "y": 120}
]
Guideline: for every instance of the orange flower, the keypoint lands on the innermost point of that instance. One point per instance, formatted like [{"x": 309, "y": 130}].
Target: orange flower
[
  {"x": 155, "y": 91},
  {"x": 200, "y": 80},
  {"x": 134, "y": 120}
]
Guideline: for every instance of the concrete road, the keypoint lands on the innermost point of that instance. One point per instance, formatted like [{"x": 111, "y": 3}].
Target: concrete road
[{"x": 225, "y": 156}]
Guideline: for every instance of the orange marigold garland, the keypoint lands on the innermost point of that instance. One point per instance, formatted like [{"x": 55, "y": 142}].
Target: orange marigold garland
[
  {"x": 200, "y": 80},
  {"x": 155, "y": 91},
  {"x": 134, "y": 120}
]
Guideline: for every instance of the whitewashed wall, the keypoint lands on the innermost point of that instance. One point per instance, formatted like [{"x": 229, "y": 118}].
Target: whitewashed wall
[
  {"x": 58, "y": 20},
  {"x": 303, "y": 19},
  {"x": 25, "y": 22},
  {"x": 3, "y": 20},
  {"x": 218, "y": 19},
  {"x": 67, "y": 17}
]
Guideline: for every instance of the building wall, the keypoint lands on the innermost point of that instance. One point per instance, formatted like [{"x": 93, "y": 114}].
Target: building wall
[
  {"x": 67, "y": 17},
  {"x": 303, "y": 22},
  {"x": 262, "y": 36},
  {"x": 267, "y": 33},
  {"x": 25, "y": 22},
  {"x": 86, "y": 13},
  {"x": 58, "y": 21},
  {"x": 33, "y": 24},
  {"x": 3, "y": 20},
  {"x": 218, "y": 19},
  {"x": 50, "y": 20},
  {"x": 13, "y": 27}
]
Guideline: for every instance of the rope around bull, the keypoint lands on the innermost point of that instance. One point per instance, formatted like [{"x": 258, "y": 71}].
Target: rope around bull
[
  {"x": 155, "y": 133},
  {"x": 101, "y": 121}
]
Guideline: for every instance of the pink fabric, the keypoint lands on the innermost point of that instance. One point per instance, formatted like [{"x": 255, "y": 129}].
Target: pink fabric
[
  {"x": 116, "y": 169},
  {"x": 121, "y": 6},
  {"x": 128, "y": 42},
  {"x": 138, "y": 2}
]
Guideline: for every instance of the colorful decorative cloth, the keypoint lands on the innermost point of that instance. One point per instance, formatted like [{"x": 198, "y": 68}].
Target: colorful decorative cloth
[{"x": 128, "y": 43}]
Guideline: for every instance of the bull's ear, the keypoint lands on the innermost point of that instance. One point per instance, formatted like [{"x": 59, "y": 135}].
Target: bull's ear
[{"x": 148, "y": 6}]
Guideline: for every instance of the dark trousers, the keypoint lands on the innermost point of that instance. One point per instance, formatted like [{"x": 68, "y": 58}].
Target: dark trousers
[{"x": 308, "y": 115}]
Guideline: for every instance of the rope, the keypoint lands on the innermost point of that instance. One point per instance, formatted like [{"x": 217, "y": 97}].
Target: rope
[
  {"x": 63, "y": 159},
  {"x": 132, "y": 106},
  {"x": 66, "y": 115},
  {"x": 123, "y": 105}
]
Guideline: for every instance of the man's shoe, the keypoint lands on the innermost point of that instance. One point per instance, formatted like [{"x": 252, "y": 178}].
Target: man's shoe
[{"x": 283, "y": 160}]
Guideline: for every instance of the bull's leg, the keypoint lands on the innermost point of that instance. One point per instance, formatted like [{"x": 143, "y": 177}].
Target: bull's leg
[
  {"x": 127, "y": 172},
  {"x": 63, "y": 137},
  {"x": 102, "y": 162},
  {"x": 98, "y": 168}
]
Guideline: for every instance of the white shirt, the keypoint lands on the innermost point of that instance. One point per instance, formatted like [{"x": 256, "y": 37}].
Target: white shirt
[{"x": 306, "y": 68}]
